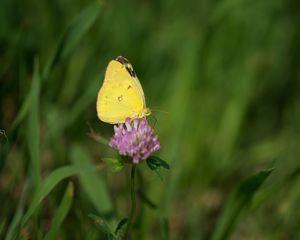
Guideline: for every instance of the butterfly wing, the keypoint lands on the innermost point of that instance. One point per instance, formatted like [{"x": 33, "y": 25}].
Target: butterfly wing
[
  {"x": 119, "y": 97},
  {"x": 132, "y": 73}
]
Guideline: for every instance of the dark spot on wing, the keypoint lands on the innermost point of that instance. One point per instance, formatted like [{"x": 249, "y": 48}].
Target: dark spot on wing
[
  {"x": 120, "y": 98},
  {"x": 129, "y": 86}
]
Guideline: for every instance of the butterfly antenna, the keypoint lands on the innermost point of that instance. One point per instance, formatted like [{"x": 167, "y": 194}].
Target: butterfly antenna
[{"x": 155, "y": 109}]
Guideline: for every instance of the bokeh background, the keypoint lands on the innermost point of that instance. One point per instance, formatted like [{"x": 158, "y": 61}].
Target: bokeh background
[{"x": 225, "y": 76}]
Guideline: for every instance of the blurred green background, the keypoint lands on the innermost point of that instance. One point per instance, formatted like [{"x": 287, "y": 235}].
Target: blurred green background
[{"x": 227, "y": 73}]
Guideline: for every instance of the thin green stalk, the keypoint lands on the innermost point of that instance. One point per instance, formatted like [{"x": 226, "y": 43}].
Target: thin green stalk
[{"x": 133, "y": 200}]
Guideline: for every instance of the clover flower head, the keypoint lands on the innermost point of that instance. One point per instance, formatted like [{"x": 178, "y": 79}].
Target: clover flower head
[{"x": 135, "y": 138}]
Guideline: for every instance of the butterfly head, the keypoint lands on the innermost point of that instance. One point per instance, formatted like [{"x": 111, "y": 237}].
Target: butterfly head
[{"x": 146, "y": 112}]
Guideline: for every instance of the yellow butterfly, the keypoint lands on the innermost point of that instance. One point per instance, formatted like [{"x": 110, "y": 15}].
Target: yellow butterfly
[{"x": 121, "y": 95}]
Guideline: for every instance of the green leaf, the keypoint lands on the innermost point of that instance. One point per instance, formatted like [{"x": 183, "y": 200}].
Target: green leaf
[
  {"x": 156, "y": 162},
  {"x": 92, "y": 183},
  {"x": 102, "y": 225},
  {"x": 151, "y": 165},
  {"x": 239, "y": 200},
  {"x": 114, "y": 165},
  {"x": 61, "y": 213},
  {"x": 120, "y": 229},
  {"x": 50, "y": 182}
]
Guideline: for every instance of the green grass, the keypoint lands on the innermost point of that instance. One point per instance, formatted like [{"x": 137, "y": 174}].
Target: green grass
[{"x": 227, "y": 74}]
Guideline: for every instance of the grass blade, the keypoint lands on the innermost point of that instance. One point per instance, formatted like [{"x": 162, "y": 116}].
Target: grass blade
[
  {"x": 4, "y": 150},
  {"x": 33, "y": 132},
  {"x": 62, "y": 122},
  {"x": 49, "y": 183},
  {"x": 15, "y": 223},
  {"x": 92, "y": 183},
  {"x": 64, "y": 47},
  {"x": 2, "y": 227},
  {"x": 61, "y": 212},
  {"x": 71, "y": 37},
  {"x": 238, "y": 201}
]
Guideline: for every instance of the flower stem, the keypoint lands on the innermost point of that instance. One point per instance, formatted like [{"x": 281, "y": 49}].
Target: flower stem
[{"x": 133, "y": 200}]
